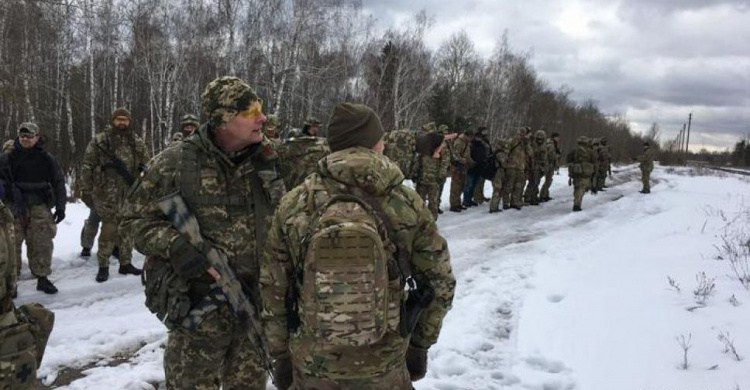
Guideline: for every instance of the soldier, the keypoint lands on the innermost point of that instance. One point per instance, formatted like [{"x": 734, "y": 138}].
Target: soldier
[
  {"x": 553, "y": 164},
  {"x": 460, "y": 163},
  {"x": 647, "y": 165},
  {"x": 113, "y": 160},
  {"x": 515, "y": 168},
  {"x": 311, "y": 127},
  {"x": 324, "y": 350},
  {"x": 299, "y": 156},
  {"x": 593, "y": 145},
  {"x": 481, "y": 153},
  {"x": 401, "y": 148},
  {"x": 431, "y": 169},
  {"x": 36, "y": 184},
  {"x": 580, "y": 168},
  {"x": 538, "y": 167},
  {"x": 188, "y": 124},
  {"x": 605, "y": 164},
  {"x": 8, "y": 259},
  {"x": 500, "y": 154},
  {"x": 227, "y": 175},
  {"x": 271, "y": 129}
]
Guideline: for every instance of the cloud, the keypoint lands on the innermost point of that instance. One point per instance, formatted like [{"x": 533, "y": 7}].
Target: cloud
[{"x": 651, "y": 60}]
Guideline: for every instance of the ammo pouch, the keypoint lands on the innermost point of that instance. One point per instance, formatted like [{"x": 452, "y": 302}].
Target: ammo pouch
[
  {"x": 22, "y": 345},
  {"x": 166, "y": 292},
  {"x": 412, "y": 308}
]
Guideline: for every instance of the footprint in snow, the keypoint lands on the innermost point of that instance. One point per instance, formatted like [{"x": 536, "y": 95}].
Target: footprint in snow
[{"x": 555, "y": 298}]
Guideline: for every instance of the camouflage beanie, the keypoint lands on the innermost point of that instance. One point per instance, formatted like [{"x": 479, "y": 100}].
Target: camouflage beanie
[
  {"x": 121, "y": 111},
  {"x": 442, "y": 129},
  {"x": 354, "y": 125},
  {"x": 28, "y": 128},
  {"x": 224, "y": 98}
]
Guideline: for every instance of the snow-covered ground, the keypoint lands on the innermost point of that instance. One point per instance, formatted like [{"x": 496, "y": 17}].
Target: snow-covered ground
[{"x": 546, "y": 299}]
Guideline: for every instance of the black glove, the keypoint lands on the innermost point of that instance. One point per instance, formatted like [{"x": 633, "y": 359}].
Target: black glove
[
  {"x": 282, "y": 373},
  {"x": 188, "y": 262},
  {"x": 59, "y": 215},
  {"x": 416, "y": 362}
]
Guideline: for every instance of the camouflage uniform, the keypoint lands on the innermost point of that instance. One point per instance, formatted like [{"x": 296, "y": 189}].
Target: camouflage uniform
[
  {"x": 594, "y": 147},
  {"x": 428, "y": 182},
  {"x": 647, "y": 165},
  {"x": 460, "y": 163},
  {"x": 232, "y": 196},
  {"x": 299, "y": 157},
  {"x": 580, "y": 168},
  {"x": 8, "y": 259},
  {"x": 381, "y": 365},
  {"x": 445, "y": 165},
  {"x": 107, "y": 187},
  {"x": 38, "y": 185},
  {"x": 500, "y": 155},
  {"x": 400, "y": 147},
  {"x": 515, "y": 169},
  {"x": 553, "y": 163},
  {"x": 538, "y": 167},
  {"x": 90, "y": 229}
]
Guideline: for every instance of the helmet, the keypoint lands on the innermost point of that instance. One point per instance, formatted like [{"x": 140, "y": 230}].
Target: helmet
[
  {"x": 583, "y": 140},
  {"x": 540, "y": 134},
  {"x": 189, "y": 119},
  {"x": 273, "y": 120},
  {"x": 312, "y": 121}
]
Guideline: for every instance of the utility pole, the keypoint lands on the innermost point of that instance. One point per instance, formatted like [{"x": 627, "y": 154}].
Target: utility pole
[
  {"x": 687, "y": 143},
  {"x": 682, "y": 141}
]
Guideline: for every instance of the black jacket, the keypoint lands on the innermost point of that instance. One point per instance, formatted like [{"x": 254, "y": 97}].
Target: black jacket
[
  {"x": 481, "y": 154},
  {"x": 32, "y": 176}
]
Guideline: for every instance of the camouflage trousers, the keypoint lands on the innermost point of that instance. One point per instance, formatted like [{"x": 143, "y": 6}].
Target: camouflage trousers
[
  {"x": 440, "y": 191},
  {"x": 601, "y": 179},
  {"x": 544, "y": 192},
  {"x": 532, "y": 188},
  {"x": 429, "y": 193},
  {"x": 580, "y": 186},
  {"x": 479, "y": 191},
  {"x": 513, "y": 187},
  {"x": 38, "y": 230},
  {"x": 218, "y": 354},
  {"x": 90, "y": 229},
  {"x": 458, "y": 180},
  {"x": 497, "y": 190},
  {"x": 397, "y": 379},
  {"x": 646, "y": 179},
  {"x": 112, "y": 236}
]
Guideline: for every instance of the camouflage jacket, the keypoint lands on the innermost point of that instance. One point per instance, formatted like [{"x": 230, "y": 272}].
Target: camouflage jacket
[
  {"x": 461, "y": 154},
  {"x": 299, "y": 156},
  {"x": 401, "y": 148},
  {"x": 517, "y": 154},
  {"x": 231, "y": 195},
  {"x": 7, "y": 259},
  {"x": 98, "y": 176},
  {"x": 431, "y": 170},
  {"x": 604, "y": 159},
  {"x": 581, "y": 162},
  {"x": 540, "y": 160},
  {"x": 647, "y": 160},
  {"x": 354, "y": 170}
]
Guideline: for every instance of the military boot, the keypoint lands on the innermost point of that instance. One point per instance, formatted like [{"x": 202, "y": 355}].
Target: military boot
[
  {"x": 576, "y": 208},
  {"x": 86, "y": 253},
  {"x": 129, "y": 269},
  {"x": 43, "y": 284},
  {"x": 456, "y": 209},
  {"x": 103, "y": 274},
  {"x": 496, "y": 211}
]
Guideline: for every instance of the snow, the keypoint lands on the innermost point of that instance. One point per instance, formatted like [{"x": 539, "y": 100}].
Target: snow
[{"x": 546, "y": 299}]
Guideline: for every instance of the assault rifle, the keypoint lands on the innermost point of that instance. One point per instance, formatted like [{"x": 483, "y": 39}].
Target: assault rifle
[{"x": 177, "y": 212}]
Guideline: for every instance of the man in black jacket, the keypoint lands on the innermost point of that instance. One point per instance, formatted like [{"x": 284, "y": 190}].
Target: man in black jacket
[
  {"x": 34, "y": 184},
  {"x": 480, "y": 154}
]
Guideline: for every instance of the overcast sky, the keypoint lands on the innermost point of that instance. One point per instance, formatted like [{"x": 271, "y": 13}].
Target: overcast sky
[{"x": 651, "y": 60}]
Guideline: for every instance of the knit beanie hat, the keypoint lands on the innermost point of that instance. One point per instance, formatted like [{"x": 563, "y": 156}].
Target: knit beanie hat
[
  {"x": 224, "y": 98},
  {"x": 354, "y": 125},
  {"x": 122, "y": 111}
]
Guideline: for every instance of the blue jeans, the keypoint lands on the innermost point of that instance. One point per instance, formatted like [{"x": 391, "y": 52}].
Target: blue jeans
[{"x": 471, "y": 183}]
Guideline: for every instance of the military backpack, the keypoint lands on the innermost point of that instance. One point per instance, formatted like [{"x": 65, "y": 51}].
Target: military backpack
[{"x": 23, "y": 338}]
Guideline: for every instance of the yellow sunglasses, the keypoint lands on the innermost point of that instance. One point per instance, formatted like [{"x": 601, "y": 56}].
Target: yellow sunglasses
[{"x": 255, "y": 109}]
